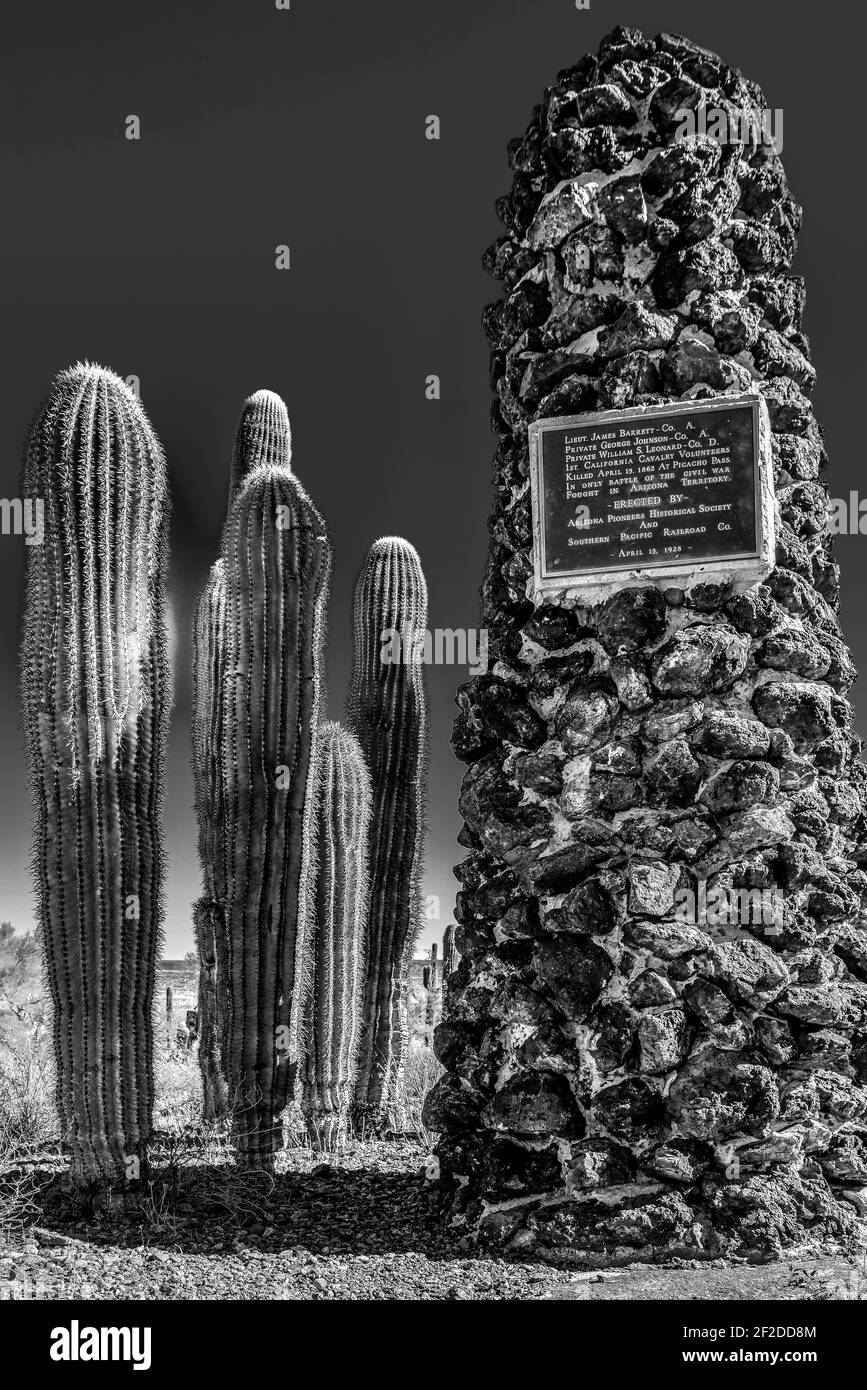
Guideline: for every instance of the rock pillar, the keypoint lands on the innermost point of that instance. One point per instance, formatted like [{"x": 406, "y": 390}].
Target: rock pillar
[{"x": 630, "y": 1072}]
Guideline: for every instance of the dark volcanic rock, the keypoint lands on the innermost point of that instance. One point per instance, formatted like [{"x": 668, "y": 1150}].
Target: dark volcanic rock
[
  {"x": 631, "y": 620},
  {"x": 698, "y": 660},
  {"x": 716, "y": 1097},
  {"x": 807, "y": 711},
  {"x": 536, "y": 1104},
  {"x": 632, "y": 1110},
  {"x": 573, "y": 971}
]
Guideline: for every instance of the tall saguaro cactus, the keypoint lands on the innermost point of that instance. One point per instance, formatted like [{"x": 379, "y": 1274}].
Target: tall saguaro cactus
[
  {"x": 333, "y": 1013},
  {"x": 263, "y": 436},
  {"x": 95, "y": 693},
  {"x": 387, "y": 710},
  {"x": 277, "y": 567}
]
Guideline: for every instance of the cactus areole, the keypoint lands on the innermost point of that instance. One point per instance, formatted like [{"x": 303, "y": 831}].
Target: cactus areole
[
  {"x": 656, "y": 1038},
  {"x": 95, "y": 694}
]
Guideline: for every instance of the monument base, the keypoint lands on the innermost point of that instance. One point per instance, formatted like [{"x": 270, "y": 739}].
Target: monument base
[{"x": 762, "y": 1218}]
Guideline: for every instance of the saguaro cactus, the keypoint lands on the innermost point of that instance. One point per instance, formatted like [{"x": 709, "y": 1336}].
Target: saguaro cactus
[
  {"x": 333, "y": 1012},
  {"x": 277, "y": 566},
  {"x": 210, "y": 944},
  {"x": 95, "y": 694},
  {"x": 387, "y": 710},
  {"x": 263, "y": 436},
  {"x": 209, "y": 644},
  {"x": 449, "y": 953},
  {"x": 431, "y": 1001}
]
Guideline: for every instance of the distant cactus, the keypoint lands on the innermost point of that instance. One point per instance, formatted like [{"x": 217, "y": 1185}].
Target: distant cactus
[
  {"x": 449, "y": 954},
  {"x": 333, "y": 1013},
  {"x": 209, "y": 644},
  {"x": 95, "y": 695},
  {"x": 277, "y": 567},
  {"x": 209, "y": 659},
  {"x": 210, "y": 943},
  {"x": 263, "y": 436},
  {"x": 387, "y": 711},
  {"x": 431, "y": 1001}
]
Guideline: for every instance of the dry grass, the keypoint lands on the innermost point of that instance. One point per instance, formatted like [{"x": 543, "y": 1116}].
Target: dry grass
[{"x": 420, "y": 1073}]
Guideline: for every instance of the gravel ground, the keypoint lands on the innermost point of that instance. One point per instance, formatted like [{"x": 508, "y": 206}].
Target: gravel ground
[{"x": 363, "y": 1226}]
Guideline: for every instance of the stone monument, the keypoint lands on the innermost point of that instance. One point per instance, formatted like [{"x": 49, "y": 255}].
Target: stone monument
[{"x": 656, "y": 1040}]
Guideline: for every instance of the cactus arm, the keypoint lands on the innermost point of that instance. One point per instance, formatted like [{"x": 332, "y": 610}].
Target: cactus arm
[{"x": 263, "y": 436}]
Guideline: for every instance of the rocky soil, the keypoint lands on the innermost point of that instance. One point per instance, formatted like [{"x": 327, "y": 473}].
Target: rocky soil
[{"x": 364, "y": 1226}]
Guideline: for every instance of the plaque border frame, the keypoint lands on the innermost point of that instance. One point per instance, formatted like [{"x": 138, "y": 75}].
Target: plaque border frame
[{"x": 593, "y": 586}]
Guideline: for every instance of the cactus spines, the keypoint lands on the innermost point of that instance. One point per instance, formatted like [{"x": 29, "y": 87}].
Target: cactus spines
[
  {"x": 277, "y": 568},
  {"x": 264, "y": 435},
  {"x": 95, "y": 690},
  {"x": 333, "y": 1011},
  {"x": 387, "y": 711}
]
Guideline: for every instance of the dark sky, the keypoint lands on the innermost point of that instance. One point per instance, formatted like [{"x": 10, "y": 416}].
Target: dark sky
[{"x": 307, "y": 127}]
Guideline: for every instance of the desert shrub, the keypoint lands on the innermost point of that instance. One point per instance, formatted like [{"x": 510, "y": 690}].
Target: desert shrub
[
  {"x": 420, "y": 1073},
  {"x": 28, "y": 1128},
  {"x": 28, "y": 1119},
  {"x": 24, "y": 1001}
]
